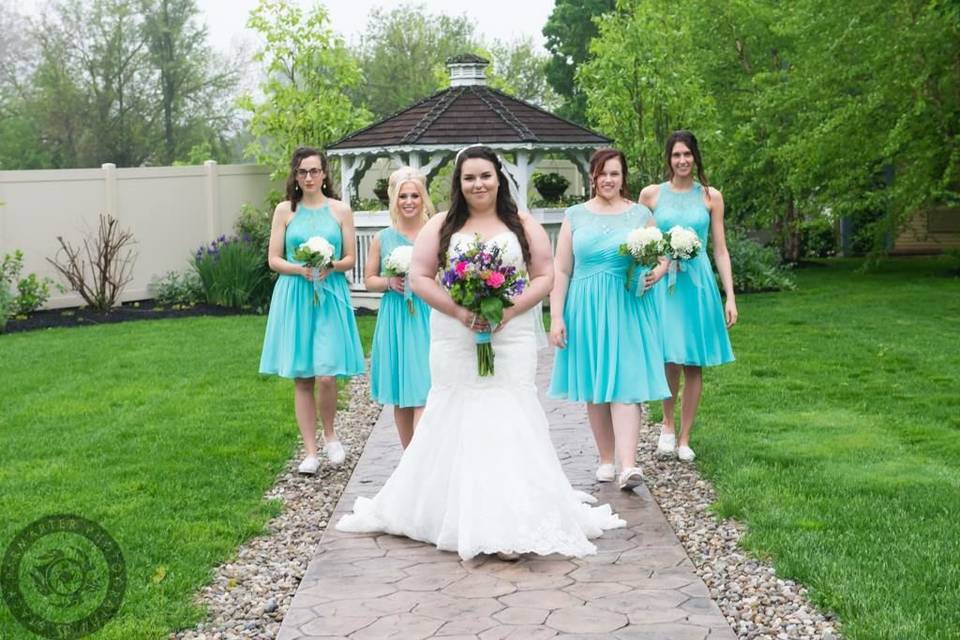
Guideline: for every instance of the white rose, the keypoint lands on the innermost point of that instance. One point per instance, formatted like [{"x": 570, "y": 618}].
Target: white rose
[
  {"x": 399, "y": 260},
  {"x": 319, "y": 244}
]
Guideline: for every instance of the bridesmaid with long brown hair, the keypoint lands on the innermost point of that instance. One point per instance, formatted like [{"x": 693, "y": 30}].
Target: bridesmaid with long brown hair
[
  {"x": 694, "y": 320},
  {"x": 311, "y": 332}
]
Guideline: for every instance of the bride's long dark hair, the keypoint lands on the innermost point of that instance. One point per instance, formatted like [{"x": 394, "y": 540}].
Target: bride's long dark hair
[{"x": 459, "y": 212}]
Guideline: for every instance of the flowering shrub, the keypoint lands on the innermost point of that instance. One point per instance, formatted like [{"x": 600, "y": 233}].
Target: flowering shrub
[{"x": 233, "y": 272}]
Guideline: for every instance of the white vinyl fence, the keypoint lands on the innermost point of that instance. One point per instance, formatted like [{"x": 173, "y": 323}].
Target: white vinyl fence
[{"x": 170, "y": 210}]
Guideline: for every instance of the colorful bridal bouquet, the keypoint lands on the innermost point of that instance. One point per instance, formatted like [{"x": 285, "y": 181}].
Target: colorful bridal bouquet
[
  {"x": 682, "y": 244},
  {"x": 397, "y": 265},
  {"x": 480, "y": 279},
  {"x": 316, "y": 253},
  {"x": 645, "y": 245}
]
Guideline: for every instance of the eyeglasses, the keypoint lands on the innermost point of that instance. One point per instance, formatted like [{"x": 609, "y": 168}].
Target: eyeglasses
[{"x": 313, "y": 173}]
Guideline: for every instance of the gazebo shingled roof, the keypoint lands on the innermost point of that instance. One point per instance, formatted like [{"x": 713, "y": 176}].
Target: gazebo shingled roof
[{"x": 468, "y": 112}]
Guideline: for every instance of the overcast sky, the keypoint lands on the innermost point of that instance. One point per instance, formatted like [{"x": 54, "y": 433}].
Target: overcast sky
[{"x": 503, "y": 19}]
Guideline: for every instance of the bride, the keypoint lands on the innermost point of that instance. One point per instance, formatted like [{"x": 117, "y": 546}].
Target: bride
[{"x": 481, "y": 474}]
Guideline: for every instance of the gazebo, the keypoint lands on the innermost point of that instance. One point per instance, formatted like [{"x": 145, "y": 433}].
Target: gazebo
[{"x": 427, "y": 134}]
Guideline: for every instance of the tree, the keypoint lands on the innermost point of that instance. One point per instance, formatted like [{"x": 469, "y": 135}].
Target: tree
[
  {"x": 639, "y": 88},
  {"x": 403, "y": 53},
  {"x": 568, "y": 32},
  {"x": 94, "y": 95},
  {"x": 99, "y": 81},
  {"x": 194, "y": 86},
  {"x": 19, "y": 135},
  {"x": 309, "y": 70},
  {"x": 802, "y": 108},
  {"x": 519, "y": 69}
]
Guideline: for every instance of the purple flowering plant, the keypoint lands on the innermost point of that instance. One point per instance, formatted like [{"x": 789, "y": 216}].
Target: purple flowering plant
[{"x": 481, "y": 280}]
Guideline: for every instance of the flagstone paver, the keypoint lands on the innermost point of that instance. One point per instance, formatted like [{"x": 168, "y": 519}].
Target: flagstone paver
[{"x": 639, "y": 586}]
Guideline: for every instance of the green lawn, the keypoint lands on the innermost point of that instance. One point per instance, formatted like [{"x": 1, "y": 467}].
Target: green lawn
[
  {"x": 836, "y": 438},
  {"x": 161, "y": 431}
]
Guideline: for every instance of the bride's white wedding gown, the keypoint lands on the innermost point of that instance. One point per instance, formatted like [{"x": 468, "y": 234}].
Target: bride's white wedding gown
[{"x": 481, "y": 474}]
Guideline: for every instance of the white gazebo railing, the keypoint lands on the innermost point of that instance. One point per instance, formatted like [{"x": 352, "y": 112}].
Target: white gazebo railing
[{"x": 369, "y": 223}]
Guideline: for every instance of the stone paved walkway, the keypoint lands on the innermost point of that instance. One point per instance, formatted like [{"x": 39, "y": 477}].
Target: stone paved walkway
[{"x": 640, "y": 585}]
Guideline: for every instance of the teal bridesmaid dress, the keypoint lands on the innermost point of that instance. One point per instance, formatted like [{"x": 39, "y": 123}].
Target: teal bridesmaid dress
[
  {"x": 305, "y": 338},
  {"x": 693, "y": 323},
  {"x": 613, "y": 351},
  {"x": 400, "y": 360}
]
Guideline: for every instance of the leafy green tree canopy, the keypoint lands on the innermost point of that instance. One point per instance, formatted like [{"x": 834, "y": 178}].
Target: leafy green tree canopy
[{"x": 308, "y": 74}]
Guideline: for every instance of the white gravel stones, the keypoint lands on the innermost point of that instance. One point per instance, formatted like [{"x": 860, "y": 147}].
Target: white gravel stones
[
  {"x": 250, "y": 594},
  {"x": 757, "y": 604}
]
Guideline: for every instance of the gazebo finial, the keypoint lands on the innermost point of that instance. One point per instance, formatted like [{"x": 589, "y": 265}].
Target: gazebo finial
[{"x": 467, "y": 69}]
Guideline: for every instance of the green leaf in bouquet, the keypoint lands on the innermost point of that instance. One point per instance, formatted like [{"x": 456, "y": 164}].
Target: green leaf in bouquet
[{"x": 492, "y": 310}]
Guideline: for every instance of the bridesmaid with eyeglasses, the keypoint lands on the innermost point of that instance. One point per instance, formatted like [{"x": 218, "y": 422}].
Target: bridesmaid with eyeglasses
[{"x": 311, "y": 333}]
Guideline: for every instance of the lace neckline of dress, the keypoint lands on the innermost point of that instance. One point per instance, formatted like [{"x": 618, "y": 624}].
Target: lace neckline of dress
[
  {"x": 693, "y": 189},
  {"x": 618, "y": 213},
  {"x": 303, "y": 207}
]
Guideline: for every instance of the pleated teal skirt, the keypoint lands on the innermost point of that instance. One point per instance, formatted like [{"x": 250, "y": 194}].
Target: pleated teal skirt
[
  {"x": 692, "y": 317},
  {"x": 304, "y": 339},
  {"x": 613, "y": 351},
  {"x": 400, "y": 359}
]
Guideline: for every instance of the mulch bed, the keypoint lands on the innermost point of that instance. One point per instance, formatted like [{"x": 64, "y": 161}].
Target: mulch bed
[{"x": 86, "y": 317}]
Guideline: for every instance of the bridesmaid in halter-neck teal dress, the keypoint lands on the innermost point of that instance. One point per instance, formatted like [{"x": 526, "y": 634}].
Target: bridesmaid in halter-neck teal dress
[
  {"x": 609, "y": 353},
  {"x": 400, "y": 362},
  {"x": 311, "y": 333},
  {"x": 400, "y": 358},
  {"x": 693, "y": 317},
  {"x": 694, "y": 329},
  {"x": 306, "y": 339}
]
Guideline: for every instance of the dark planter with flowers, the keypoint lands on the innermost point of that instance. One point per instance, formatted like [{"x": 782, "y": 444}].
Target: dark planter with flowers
[{"x": 550, "y": 186}]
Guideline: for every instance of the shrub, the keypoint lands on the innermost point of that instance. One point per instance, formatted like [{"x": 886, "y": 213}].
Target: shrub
[
  {"x": 368, "y": 204},
  {"x": 233, "y": 273},
  {"x": 953, "y": 261},
  {"x": 817, "y": 238},
  {"x": 560, "y": 203},
  {"x": 866, "y": 231},
  {"x": 255, "y": 224},
  {"x": 755, "y": 267},
  {"x": 100, "y": 268},
  {"x": 178, "y": 290},
  {"x": 6, "y": 303},
  {"x": 32, "y": 292},
  {"x": 550, "y": 186},
  {"x": 381, "y": 190}
]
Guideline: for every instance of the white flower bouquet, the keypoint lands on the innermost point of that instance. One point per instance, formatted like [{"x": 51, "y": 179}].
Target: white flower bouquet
[
  {"x": 682, "y": 244},
  {"x": 645, "y": 245},
  {"x": 316, "y": 253},
  {"x": 397, "y": 265}
]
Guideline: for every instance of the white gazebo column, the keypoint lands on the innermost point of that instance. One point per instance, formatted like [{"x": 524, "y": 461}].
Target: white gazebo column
[
  {"x": 413, "y": 160},
  {"x": 520, "y": 173},
  {"x": 582, "y": 161},
  {"x": 348, "y": 170},
  {"x": 430, "y": 169}
]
